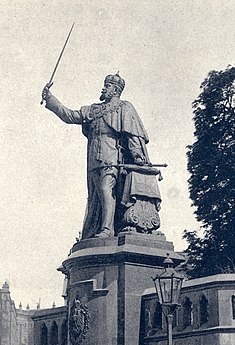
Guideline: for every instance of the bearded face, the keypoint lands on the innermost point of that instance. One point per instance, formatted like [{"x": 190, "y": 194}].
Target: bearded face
[{"x": 107, "y": 92}]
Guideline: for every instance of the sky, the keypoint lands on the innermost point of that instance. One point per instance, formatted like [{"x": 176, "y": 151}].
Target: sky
[{"x": 163, "y": 49}]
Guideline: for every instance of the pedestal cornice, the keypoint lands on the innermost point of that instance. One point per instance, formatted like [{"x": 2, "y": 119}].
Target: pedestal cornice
[{"x": 132, "y": 248}]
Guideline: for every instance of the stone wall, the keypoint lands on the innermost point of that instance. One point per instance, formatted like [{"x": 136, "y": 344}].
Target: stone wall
[
  {"x": 16, "y": 325},
  {"x": 206, "y": 316},
  {"x": 25, "y": 326},
  {"x": 50, "y": 326},
  {"x": 8, "y": 318}
]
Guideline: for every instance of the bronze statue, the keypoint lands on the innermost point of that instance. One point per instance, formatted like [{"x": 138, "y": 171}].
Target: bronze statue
[{"x": 122, "y": 187}]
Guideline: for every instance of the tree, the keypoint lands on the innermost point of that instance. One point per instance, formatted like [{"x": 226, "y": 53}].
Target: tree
[{"x": 211, "y": 163}]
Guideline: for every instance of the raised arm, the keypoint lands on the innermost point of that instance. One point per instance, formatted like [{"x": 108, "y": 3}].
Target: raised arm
[{"x": 65, "y": 114}]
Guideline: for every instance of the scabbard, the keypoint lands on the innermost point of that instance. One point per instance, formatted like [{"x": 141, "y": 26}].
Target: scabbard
[{"x": 148, "y": 170}]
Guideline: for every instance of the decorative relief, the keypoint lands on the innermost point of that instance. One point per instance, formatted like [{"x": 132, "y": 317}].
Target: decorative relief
[
  {"x": 78, "y": 322},
  {"x": 142, "y": 217}
]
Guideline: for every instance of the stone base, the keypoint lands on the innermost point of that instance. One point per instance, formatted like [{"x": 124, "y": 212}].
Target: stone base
[{"x": 108, "y": 276}]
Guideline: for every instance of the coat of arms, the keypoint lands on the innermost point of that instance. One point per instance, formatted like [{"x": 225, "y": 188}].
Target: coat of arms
[{"x": 78, "y": 322}]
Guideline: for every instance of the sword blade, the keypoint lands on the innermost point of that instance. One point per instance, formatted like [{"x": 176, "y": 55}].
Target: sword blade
[
  {"x": 60, "y": 56},
  {"x": 49, "y": 84}
]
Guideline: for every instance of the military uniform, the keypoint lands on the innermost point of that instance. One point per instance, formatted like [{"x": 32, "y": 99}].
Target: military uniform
[{"x": 115, "y": 134}]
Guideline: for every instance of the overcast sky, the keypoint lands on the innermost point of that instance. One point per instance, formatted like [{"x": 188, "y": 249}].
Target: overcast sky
[{"x": 163, "y": 49}]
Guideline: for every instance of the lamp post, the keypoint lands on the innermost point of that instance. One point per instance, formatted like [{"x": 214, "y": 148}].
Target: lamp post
[{"x": 168, "y": 287}]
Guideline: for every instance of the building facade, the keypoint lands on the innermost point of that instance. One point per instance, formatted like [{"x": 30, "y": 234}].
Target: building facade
[
  {"x": 50, "y": 326},
  {"x": 25, "y": 326},
  {"x": 206, "y": 316},
  {"x": 16, "y": 325}
]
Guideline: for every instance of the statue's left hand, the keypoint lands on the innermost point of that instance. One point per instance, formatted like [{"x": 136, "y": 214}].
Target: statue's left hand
[{"x": 139, "y": 160}]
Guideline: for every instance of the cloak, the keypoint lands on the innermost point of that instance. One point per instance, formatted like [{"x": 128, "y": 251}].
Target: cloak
[
  {"x": 121, "y": 118},
  {"x": 125, "y": 121}
]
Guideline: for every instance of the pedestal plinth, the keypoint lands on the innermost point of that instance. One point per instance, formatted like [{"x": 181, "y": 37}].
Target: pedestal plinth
[{"x": 107, "y": 277}]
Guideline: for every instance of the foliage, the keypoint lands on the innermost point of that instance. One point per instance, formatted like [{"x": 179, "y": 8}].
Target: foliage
[{"x": 211, "y": 163}]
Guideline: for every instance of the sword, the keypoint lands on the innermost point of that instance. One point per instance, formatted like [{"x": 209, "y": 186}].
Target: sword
[
  {"x": 149, "y": 169},
  {"x": 150, "y": 165},
  {"x": 50, "y": 83}
]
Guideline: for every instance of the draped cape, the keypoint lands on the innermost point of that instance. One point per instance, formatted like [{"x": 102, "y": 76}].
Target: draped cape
[{"x": 126, "y": 122}]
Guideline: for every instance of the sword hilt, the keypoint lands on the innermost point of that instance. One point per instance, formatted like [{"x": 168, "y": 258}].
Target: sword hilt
[{"x": 48, "y": 85}]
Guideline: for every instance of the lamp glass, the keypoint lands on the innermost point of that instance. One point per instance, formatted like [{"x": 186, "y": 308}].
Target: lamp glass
[
  {"x": 168, "y": 288},
  {"x": 176, "y": 289}
]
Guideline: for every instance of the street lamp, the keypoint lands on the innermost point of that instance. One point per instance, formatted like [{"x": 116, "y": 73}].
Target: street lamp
[{"x": 168, "y": 286}]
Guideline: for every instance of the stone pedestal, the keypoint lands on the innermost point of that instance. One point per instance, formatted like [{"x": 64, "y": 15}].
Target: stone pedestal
[{"x": 108, "y": 276}]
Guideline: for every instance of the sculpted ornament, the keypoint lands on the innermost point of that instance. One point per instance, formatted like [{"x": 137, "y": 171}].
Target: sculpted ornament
[
  {"x": 78, "y": 322},
  {"x": 142, "y": 217}
]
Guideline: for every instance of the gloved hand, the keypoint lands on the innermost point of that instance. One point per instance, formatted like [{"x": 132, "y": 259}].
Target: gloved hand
[
  {"x": 139, "y": 159},
  {"x": 46, "y": 92}
]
